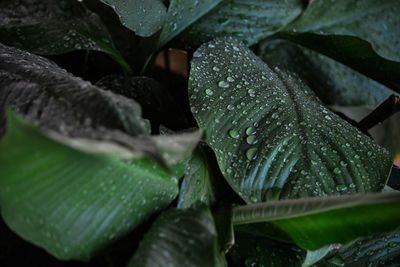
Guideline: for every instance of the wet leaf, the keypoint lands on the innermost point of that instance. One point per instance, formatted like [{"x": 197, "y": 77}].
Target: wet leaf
[
  {"x": 71, "y": 203},
  {"x": 333, "y": 82},
  {"x": 144, "y": 17},
  {"x": 54, "y": 27},
  {"x": 272, "y": 137},
  {"x": 180, "y": 238},
  {"x": 312, "y": 223},
  {"x": 249, "y": 21}
]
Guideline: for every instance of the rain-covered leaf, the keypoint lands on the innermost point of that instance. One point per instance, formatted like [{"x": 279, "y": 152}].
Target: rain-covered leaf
[
  {"x": 157, "y": 103},
  {"x": 144, "y": 17},
  {"x": 71, "y": 203},
  {"x": 182, "y": 14},
  {"x": 354, "y": 52},
  {"x": 249, "y": 21},
  {"x": 57, "y": 101},
  {"x": 312, "y": 223},
  {"x": 202, "y": 182},
  {"x": 180, "y": 238},
  {"x": 54, "y": 27},
  {"x": 377, "y": 22},
  {"x": 333, "y": 82},
  {"x": 272, "y": 137},
  {"x": 383, "y": 250},
  {"x": 250, "y": 250}
]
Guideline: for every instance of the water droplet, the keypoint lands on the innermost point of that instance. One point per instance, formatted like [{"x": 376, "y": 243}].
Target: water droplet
[
  {"x": 209, "y": 92},
  {"x": 230, "y": 107},
  {"x": 337, "y": 171},
  {"x": 215, "y": 68},
  {"x": 236, "y": 48},
  {"x": 250, "y": 130},
  {"x": 251, "y": 153},
  {"x": 230, "y": 79},
  {"x": 251, "y": 139},
  {"x": 328, "y": 117},
  {"x": 275, "y": 115},
  {"x": 343, "y": 164},
  {"x": 223, "y": 84},
  {"x": 352, "y": 185},
  {"x": 234, "y": 134},
  {"x": 356, "y": 156},
  {"x": 341, "y": 187},
  {"x": 253, "y": 199}
]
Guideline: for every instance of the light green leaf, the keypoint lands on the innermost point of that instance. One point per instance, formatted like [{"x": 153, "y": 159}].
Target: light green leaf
[
  {"x": 180, "y": 238},
  {"x": 273, "y": 139},
  {"x": 144, "y": 17},
  {"x": 333, "y": 82},
  {"x": 54, "y": 27},
  {"x": 71, "y": 203},
  {"x": 315, "y": 222},
  {"x": 249, "y": 21},
  {"x": 377, "y": 22}
]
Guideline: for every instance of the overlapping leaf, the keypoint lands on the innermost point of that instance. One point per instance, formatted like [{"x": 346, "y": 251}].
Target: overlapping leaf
[
  {"x": 180, "y": 238},
  {"x": 54, "y": 27},
  {"x": 316, "y": 222},
  {"x": 144, "y": 17},
  {"x": 272, "y": 138},
  {"x": 71, "y": 203}
]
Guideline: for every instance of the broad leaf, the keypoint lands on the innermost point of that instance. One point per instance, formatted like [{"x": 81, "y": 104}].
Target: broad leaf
[
  {"x": 315, "y": 222},
  {"x": 251, "y": 250},
  {"x": 54, "y": 27},
  {"x": 333, "y": 82},
  {"x": 180, "y": 238},
  {"x": 272, "y": 137},
  {"x": 71, "y": 203},
  {"x": 157, "y": 103},
  {"x": 57, "y": 101},
  {"x": 353, "y": 52},
  {"x": 382, "y": 250},
  {"x": 144, "y": 17},
  {"x": 183, "y": 14},
  {"x": 249, "y": 21},
  {"x": 374, "y": 21}
]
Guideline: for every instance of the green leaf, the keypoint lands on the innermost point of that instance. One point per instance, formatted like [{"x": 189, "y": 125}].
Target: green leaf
[
  {"x": 54, "y": 27},
  {"x": 353, "y": 52},
  {"x": 71, "y": 203},
  {"x": 272, "y": 137},
  {"x": 157, "y": 103},
  {"x": 333, "y": 82},
  {"x": 144, "y": 17},
  {"x": 383, "y": 250},
  {"x": 57, "y": 101},
  {"x": 250, "y": 250},
  {"x": 202, "y": 180},
  {"x": 183, "y": 14},
  {"x": 180, "y": 238},
  {"x": 377, "y": 22},
  {"x": 249, "y": 21},
  {"x": 315, "y": 222}
]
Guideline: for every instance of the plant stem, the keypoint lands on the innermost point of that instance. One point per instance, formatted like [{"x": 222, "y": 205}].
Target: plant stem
[{"x": 381, "y": 113}]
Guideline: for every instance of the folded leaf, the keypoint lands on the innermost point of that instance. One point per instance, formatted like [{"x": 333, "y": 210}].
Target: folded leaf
[
  {"x": 315, "y": 222},
  {"x": 71, "y": 203},
  {"x": 54, "y": 27},
  {"x": 272, "y": 137},
  {"x": 144, "y": 17},
  {"x": 180, "y": 238}
]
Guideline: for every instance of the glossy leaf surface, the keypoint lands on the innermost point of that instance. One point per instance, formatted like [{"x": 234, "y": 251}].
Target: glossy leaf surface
[{"x": 272, "y": 137}]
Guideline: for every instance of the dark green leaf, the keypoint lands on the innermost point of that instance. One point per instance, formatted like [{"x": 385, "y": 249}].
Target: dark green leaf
[
  {"x": 382, "y": 250},
  {"x": 249, "y": 21},
  {"x": 394, "y": 178},
  {"x": 57, "y": 101},
  {"x": 353, "y": 52},
  {"x": 183, "y": 14},
  {"x": 333, "y": 82},
  {"x": 377, "y": 22},
  {"x": 272, "y": 137},
  {"x": 180, "y": 238},
  {"x": 157, "y": 103},
  {"x": 71, "y": 203},
  {"x": 250, "y": 250},
  {"x": 54, "y": 27},
  {"x": 144, "y": 17},
  {"x": 315, "y": 222},
  {"x": 202, "y": 180}
]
